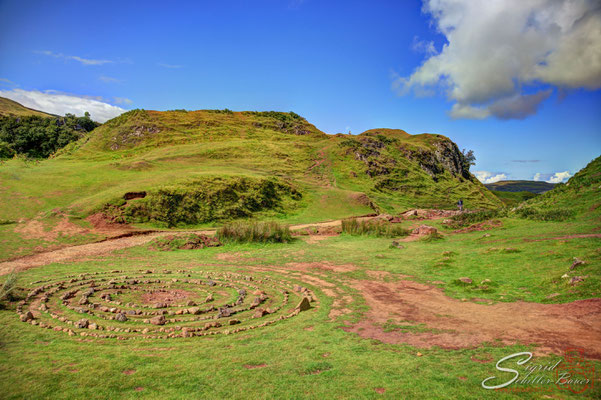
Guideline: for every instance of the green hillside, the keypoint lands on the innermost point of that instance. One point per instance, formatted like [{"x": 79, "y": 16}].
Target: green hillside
[
  {"x": 183, "y": 158},
  {"x": 580, "y": 195},
  {"x": 521, "y": 186},
  {"x": 512, "y": 199},
  {"x": 12, "y": 108}
]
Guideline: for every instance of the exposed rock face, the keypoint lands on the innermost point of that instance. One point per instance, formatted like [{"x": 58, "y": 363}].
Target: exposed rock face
[
  {"x": 445, "y": 157},
  {"x": 304, "y": 304}
]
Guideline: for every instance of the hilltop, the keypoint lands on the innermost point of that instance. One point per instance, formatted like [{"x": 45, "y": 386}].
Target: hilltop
[{"x": 9, "y": 107}]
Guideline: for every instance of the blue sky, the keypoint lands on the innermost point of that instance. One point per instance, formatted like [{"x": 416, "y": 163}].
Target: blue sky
[{"x": 435, "y": 66}]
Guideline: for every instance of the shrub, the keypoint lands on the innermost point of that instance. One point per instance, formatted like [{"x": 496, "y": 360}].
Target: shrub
[
  {"x": 8, "y": 288},
  {"x": 556, "y": 214},
  {"x": 378, "y": 228},
  {"x": 255, "y": 232}
]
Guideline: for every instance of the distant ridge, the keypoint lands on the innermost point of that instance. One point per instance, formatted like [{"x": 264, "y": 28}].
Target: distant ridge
[
  {"x": 10, "y": 107},
  {"x": 537, "y": 187}
]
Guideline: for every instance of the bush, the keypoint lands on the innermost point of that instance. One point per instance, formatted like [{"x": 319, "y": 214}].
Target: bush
[
  {"x": 557, "y": 214},
  {"x": 8, "y": 288},
  {"x": 378, "y": 228},
  {"x": 255, "y": 232}
]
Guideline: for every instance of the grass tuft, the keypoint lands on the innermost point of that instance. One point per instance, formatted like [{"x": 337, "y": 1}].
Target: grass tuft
[
  {"x": 377, "y": 228},
  {"x": 255, "y": 232}
]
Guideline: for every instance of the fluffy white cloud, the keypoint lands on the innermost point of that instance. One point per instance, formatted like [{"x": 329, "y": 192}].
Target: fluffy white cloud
[
  {"x": 489, "y": 177},
  {"x": 496, "y": 47},
  {"x": 557, "y": 177},
  {"x": 61, "y": 103}
]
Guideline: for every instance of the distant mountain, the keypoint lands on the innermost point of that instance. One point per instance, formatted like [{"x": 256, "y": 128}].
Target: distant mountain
[
  {"x": 9, "y": 107},
  {"x": 521, "y": 186}
]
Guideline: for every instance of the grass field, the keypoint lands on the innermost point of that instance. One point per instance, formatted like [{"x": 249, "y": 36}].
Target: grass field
[{"x": 309, "y": 355}]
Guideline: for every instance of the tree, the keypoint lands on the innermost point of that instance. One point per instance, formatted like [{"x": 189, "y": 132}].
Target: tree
[{"x": 468, "y": 160}]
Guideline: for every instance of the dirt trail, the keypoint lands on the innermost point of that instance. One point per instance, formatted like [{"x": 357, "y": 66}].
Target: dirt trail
[
  {"x": 73, "y": 253},
  {"x": 452, "y": 324}
]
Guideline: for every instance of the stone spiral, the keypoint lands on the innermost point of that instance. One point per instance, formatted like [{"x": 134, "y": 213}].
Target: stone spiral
[{"x": 151, "y": 304}]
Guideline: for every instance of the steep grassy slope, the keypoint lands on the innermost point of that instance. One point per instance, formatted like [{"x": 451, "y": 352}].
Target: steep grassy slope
[
  {"x": 521, "y": 186},
  {"x": 580, "y": 195},
  {"x": 12, "y": 108},
  {"x": 331, "y": 176}
]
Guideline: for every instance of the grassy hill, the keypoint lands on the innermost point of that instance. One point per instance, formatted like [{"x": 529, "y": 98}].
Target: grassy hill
[
  {"x": 521, "y": 186},
  {"x": 9, "y": 107},
  {"x": 580, "y": 195},
  {"x": 512, "y": 199},
  {"x": 200, "y": 168}
]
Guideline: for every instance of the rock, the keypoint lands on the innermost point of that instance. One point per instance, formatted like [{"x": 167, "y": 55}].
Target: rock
[
  {"x": 486, "y": 235},
  {"x": 211, "y": 283},
  {"x": 304, "y": 304},
  {"x": 242, "y": 292},
  {"x": 160, "y": 305},
  {"x": 234, "y": 321},
  {"x": 465, "y": 280},
  {"x": 28, "y": 316},
  {"x": 485, "y": 281},
  {"x": 158, "y": 320},
  {"x": 259, "y": 312},
  {"x": 194, "y": 310},
  {"x": 190, "y": 303},
  {"x": 576, "y": 279},
  {"x": 224, "y": 312},
  {"x": 396, "y": 244},
  {"x": 256, "y": 302},
  {"x": 209, "y": 298},
  {"x": 424, "y": 230},
  {"x": 552, "y": 295},
  {"x": 565, "y": 276},
  {"x": 120, "y": 317},
  {"x": 576, "y": 263},
  {"x": 82, "y": 323},
  {"x": 83, "y": 301},
  {"x": 93, "y": 326}
]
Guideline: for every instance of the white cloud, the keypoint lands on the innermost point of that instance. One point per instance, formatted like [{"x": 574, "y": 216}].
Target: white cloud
[
  {"x": 489, "y": 177},
  {"x": 496, "y": 47},
  {"x": 84, "y": 61},
  {"x": 557, "y": 177},
  {"x": 422, "y": 46},
  {"x": 171, "y": 66},
  {"x": 61, "y": 103}
]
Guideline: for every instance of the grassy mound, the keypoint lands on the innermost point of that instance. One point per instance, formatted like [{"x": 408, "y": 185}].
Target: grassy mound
[{"x": 207, "y": 199}]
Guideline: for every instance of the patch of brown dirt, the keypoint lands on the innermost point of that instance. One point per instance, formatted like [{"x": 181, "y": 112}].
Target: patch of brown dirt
[
  {"x": 324, "y": 266},
  {"x": 129, "y": 371},
  {"x": 165, "y": 296},
  {"x": 253, "y": 366},
  {"x": 481, "y": 226},
  {"x": 452, "y": 324},
  {"x": 104, "y": 225}
]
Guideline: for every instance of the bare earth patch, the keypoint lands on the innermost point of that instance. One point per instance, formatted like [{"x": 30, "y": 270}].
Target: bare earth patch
[
  {"x": 165, "y": 296},
  {"x": 452, "y": 324}
]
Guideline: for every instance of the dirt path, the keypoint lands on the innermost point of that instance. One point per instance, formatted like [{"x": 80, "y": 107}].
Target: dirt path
[
  {"x": 438, "y": 320},
  {"x": 79, "y": 252}
]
